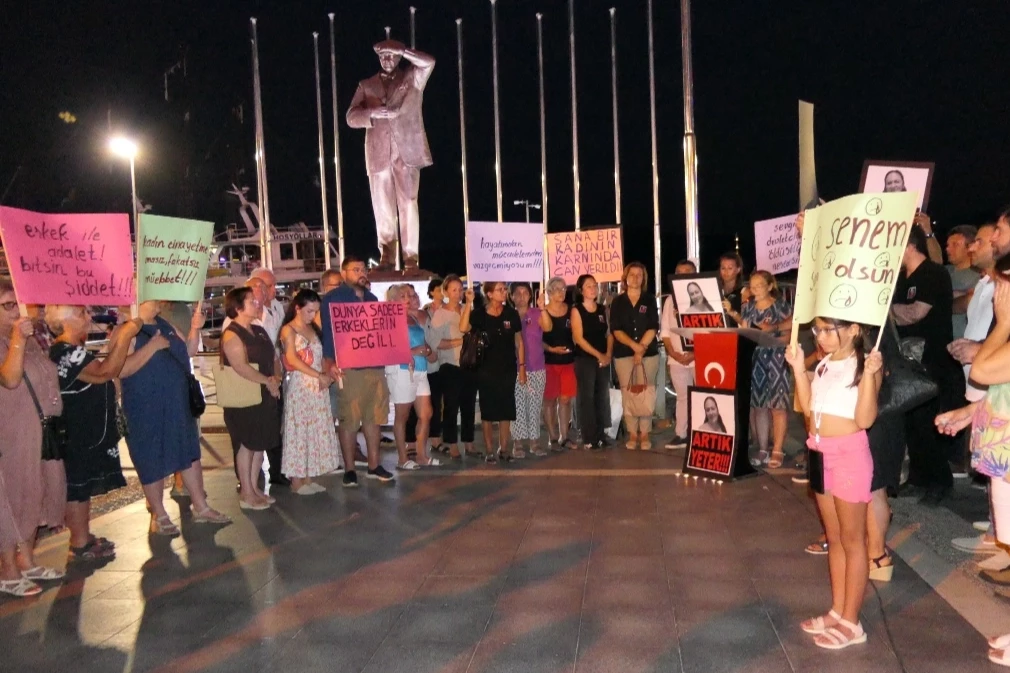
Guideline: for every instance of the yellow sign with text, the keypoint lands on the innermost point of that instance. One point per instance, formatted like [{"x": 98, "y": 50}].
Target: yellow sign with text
[{"x": 850, "y": 257}]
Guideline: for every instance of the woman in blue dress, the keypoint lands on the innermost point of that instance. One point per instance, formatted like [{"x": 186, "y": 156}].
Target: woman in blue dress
[
  {"x": 164, "y": 437},
  {"x": 771, "y": 388}
]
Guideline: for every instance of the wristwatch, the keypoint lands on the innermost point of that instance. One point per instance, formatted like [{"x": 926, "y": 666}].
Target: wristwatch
[{"x": 931, "y": 234}]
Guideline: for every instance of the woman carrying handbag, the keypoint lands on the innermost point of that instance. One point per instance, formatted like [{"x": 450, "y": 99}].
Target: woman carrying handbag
[{"x": 634, "y": 322}]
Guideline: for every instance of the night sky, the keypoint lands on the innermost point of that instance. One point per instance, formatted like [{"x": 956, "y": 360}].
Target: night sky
[{"x": 902, "y": 80}]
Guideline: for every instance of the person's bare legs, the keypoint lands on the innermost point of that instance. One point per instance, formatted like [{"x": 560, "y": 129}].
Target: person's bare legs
[
  {"x": 78, "y": 517},
  {"x": 852, "y": 527},
  {"x": 9, "y": 564},
  {"x": 836, "y": 556},
  {"x": 192, "y": 477},
  {"x": 371, "y": 433},
  {"x": 762, "y": 422},
  {"x": 423, "y": 409},
  {"x": 487, "y": 427},
  {"x": 505, "y": 437},
  {"x": 155, "y": 493},
  {"x": 348, "y": 445},
  {"x": 564, "y": 416},
  {"x": 551, "y": 419},
  {"x": 248, "y": 493},
  {"x": 402, "y": 413},
  {"x": 878, "y": 518},
  {"x": 256, "y": 471},
  {"x": 780, "y": 422},
  {"x": 25, "y": 554}
]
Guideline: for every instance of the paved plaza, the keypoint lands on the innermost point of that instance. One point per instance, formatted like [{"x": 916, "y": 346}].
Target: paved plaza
[{"x": 606, "y": 562}]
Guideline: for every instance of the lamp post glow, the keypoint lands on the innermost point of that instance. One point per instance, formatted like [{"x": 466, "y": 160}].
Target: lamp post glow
[
  {"x": 527, "y": 205},
  {"x": 127, "y": 149}
]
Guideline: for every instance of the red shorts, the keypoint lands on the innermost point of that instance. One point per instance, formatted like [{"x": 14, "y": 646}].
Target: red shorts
[{"x": 560, "y": 382}]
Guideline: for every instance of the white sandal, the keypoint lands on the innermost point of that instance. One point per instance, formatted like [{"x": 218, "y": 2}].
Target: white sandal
[
  {"x": 41, "y": 573},
  {"x": 1000, "y": 642},
  {"x": 22, "y": 588},
  {"x": 816, "y": 625},
  {"x": 410, "y": 465},
  {"x": 210, "y": 515},
  {"x": 835, "y": 639},
  {"x": 1000, "y": 656}
]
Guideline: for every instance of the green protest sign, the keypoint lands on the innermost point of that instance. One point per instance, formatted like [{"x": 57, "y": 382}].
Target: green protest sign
[
  {"x": 850, "y": 257},
  {"x": 172, "y": 258}
]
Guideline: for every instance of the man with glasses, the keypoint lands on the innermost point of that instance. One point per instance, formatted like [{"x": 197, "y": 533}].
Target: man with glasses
[{"x": 364, "y": 400}]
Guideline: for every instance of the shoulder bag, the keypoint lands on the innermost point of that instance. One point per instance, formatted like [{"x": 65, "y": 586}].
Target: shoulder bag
[
  {"x": 233, "y": 390},
  {"x": 906, "y": 384},
  {"x": 54, "y": 429},
  {"x": 471, "y": 354}
]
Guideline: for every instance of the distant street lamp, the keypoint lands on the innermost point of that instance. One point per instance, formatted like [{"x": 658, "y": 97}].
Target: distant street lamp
[
  {"x": 127, "y": 149},
  {"x": 527, "y": 205}
]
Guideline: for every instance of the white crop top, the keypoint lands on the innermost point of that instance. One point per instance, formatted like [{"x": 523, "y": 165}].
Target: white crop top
[{"x": 832, "y": 391}]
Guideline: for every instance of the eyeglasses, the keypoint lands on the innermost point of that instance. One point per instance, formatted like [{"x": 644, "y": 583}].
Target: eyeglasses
[
  {"x": 9, "y": 305},
  {"x": 823, "y": 330}
]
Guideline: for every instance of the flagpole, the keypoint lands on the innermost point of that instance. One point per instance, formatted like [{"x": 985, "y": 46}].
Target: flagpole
[
  {"x": 543, "y": 140},
  {"x": 690, "y": 143},
  {"x": 497, "y": 122},
  {"x": 462, "y": 137},
  {"x": 613, "y": 89},
  {"x": 575, "y": 115},
  {"x": 658, "y": 266},
  {"x": 336, "y": 147},
  {"x": 266, "y": 259},
  {"x": 413, "y": 42},
  {"x": 322, "y": 157}
]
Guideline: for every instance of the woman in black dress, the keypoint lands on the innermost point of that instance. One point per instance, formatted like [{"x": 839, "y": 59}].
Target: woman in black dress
[
  {"x": 594, "y": 349},
  {"x": 253, "y": 429},
  {"x": 88, "y": 389},
  {"x": 734, "y": 289},
  {"x": 504, "y": 360}
]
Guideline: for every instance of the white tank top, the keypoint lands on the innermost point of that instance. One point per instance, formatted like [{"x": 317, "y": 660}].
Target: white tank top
[{"x": 832, "y": 391}]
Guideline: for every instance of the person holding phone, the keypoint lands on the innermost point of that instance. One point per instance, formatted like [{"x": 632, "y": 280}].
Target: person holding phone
[{"x": 559, "y": 359}]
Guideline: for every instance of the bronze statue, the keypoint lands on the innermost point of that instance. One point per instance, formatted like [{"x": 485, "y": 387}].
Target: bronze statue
[{"x": 388, "y": 106}]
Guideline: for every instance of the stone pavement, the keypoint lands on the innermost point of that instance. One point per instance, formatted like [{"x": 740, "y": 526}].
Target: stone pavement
[{"x": 579, "y": 562}]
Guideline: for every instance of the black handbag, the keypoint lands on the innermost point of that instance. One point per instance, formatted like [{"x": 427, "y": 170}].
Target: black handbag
[
  {"x": 54, "y": 429},
  {"x": 906, "y": 383},
  {"x": 471, "y": 354}
]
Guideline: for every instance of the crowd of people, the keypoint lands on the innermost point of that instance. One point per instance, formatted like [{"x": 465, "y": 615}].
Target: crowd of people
[{"x": 543, "y": 363}]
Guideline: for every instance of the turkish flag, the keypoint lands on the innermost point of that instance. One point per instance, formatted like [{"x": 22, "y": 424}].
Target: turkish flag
[{"x": 715, "y": 360}]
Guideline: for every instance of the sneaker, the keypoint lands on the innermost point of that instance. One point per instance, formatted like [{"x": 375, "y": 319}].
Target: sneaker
[
  {"x": 381, "y": 473},
  {"x": 975, "y": 545},
  {"x": 677, "y": 442},
  {"x": 350, "y": 479},
  {"x": 981, "y": 526}
]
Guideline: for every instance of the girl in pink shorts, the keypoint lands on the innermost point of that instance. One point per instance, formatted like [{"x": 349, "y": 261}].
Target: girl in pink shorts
[{"x": 842, "y": 402}]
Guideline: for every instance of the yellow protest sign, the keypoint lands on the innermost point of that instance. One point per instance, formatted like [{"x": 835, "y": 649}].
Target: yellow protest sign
[{"x": 850, "y": 257}]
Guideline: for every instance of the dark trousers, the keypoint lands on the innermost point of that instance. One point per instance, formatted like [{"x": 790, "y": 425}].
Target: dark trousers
[
  {"x": 459, "y": 396},
  {"x": 928, "y": 450},
  {"x": 593, "y": 398},
  {"x": 435, "y": 427}
]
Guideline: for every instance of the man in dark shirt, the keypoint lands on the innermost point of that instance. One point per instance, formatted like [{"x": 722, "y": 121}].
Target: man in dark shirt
[{"x": 922, "y": 307}]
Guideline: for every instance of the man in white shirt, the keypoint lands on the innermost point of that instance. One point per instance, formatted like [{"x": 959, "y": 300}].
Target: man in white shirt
[
  {"x": 273, "y": 309},
  {"x": 679, "y": 361}
]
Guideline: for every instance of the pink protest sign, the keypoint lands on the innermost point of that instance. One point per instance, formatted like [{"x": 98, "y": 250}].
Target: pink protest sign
[
  {"x": 370, "y": 334},
  {"x": 69, "y": 259},
  {"x": 777, "y": 245}
]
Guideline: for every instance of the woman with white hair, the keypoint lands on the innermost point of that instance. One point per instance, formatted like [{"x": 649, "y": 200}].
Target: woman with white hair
[
  {"x": 559, "y": 359},
  {"x": 88, "y": 389}
]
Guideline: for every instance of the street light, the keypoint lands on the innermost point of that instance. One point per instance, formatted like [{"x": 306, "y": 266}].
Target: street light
[
  {"x": 127, "y": 149},
  {"x": 526, "y": 204}
]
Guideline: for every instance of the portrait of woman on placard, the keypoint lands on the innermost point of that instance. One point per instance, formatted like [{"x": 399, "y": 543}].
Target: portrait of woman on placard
[
  {"x": 698, "y": 302},
  {"x": 713, "y": 419}
]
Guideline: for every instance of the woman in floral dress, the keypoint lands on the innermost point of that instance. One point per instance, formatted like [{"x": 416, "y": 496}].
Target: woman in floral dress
[{"x": 310, "y": 442}]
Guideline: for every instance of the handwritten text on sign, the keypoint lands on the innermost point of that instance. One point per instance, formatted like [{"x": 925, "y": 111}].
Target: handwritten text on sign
[
  {"x": 850, "y": 257},
  {"x": 507, "y": 251},
  {"x": 777, "y": 245},
  {"x": 370, "y": 334},
  {"x": 595, "y": 251},
  {"x": 69, "y": 259},
  {"x": 173, "y": 257}
]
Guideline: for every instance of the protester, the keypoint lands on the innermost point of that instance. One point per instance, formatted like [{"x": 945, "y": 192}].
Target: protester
[
  {"x": 679, "y": 362},
  {"x": 963, "y": 276},
  {"x": 530, "y": 396},
  {"x": 310, "y": 440},
  {"x": 770, "y": 393},
  {"x": 734, "y": 289},
  {"x": 594, "y": 347},
  {"x": 408, "y": 384},
  {"x": 330, "y": 280},
  {"x": 180, "y": 316},
  {"x": 922, "y": 308},
  {"x": 164, "y": 437},
  {"x": 434, "y": 374},
  {"x": 364, "y": 402},
  {"x": 503, "y": 365},
  {"x": 560, "y": 387},
  {"x": 27, "y": 501},
  {"x": 257, "y": 428},
  {"x": 842, "y": 400},
  {"x": 459, "y": 385},
  {"x": 273, "y": 310},
  {"x": 635, "y": 324},
  {"x": 88, "y": 389},
  {"x": 988, "y": 419}
]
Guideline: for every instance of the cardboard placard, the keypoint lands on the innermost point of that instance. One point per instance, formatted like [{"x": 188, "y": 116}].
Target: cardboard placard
[
  {"x": 172, "y": 258},
  {"x": 697, "y": 297},
  {"x": 777, "y": 245},
  {"x": 77, "y": 259},
  {"x": 599, "y": 252},
  {"x": 370, "y": 334},
  {"x": 505, "y": 251}
]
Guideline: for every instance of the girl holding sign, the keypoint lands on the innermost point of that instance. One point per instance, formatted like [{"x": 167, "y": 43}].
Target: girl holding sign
[{"x": 842, "y": 399}]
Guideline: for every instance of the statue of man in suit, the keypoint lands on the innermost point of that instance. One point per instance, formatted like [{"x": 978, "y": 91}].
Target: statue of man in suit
[{"x": 388, "y": 107}]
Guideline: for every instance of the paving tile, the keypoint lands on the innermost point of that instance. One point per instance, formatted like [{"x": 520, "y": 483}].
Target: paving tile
[{"x": 407, "y": 657}]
